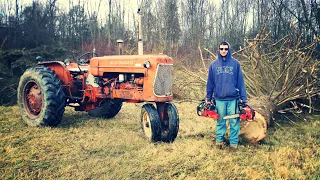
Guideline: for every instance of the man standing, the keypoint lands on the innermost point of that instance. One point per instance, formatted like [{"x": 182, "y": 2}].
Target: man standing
[{"x": 226, "y": 84}]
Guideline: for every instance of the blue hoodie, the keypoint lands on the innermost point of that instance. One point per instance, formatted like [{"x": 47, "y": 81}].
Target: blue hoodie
[{"x": 225, "y": 79}]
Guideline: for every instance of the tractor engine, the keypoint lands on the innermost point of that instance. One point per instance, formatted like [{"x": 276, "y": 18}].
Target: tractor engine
[
  {"x": 125, "y": 81},
  {"x": 132, "y": 78}
]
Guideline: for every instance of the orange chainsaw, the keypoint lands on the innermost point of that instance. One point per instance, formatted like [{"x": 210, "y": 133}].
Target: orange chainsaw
[{"x": 207, "y": 110}]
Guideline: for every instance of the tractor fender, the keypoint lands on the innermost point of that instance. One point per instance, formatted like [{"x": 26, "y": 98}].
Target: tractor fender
[{"x": 61, "y": 71}]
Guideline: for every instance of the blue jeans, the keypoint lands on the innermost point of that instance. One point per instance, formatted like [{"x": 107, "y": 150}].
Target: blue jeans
[{"x": 224, "y": 108}]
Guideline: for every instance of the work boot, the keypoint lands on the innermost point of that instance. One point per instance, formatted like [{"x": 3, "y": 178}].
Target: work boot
[
  {"x": 220, "y": 145},
  {"x": 233, "y": 148}
]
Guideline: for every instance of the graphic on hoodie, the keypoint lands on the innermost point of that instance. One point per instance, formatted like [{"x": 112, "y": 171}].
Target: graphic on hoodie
[{"x": 224, "y": 69}]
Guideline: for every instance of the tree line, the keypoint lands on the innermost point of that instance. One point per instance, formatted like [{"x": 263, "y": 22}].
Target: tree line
[{"x": 174, "y": 27}]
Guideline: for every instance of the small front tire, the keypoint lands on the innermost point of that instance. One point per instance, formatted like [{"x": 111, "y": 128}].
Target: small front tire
[
  {"x": 170, "y": 123},
  {"x": 150, "y": 123}
]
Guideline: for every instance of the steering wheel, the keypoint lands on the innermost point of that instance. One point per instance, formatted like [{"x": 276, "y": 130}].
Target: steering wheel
[{"x": 89, "y": 55}]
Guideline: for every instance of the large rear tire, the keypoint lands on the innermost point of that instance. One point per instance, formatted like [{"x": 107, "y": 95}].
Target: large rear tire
[
  {"x": 150, "y": 123},
  {"x": 170, "y": 123},
  {"x": 41, "y": 97},
  {"x": 108, "y": 109}
]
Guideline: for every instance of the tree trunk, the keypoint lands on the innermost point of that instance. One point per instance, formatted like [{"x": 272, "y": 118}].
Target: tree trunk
[{"x": 256, "y": 130}]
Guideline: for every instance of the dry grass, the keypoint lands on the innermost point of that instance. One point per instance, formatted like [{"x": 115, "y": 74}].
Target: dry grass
[{"x": 82, "y": 147}]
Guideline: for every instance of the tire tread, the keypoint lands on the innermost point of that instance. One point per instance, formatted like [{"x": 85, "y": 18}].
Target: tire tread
[{"x": 53, "y": 96}]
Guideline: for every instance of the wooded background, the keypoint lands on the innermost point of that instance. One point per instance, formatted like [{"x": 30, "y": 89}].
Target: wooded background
[
  {"x": 170, "y": 26},
  {"x": 178, "y": 28}
]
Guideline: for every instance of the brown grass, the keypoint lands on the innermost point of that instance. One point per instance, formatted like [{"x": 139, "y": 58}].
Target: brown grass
[{"x": 82, "y": 147}]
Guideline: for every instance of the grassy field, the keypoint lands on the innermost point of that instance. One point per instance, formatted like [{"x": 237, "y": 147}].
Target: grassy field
[{"x": 82, "y": 147}]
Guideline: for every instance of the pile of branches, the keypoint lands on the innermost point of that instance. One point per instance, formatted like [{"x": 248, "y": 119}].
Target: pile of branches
[{"x": 283, "y": 73}]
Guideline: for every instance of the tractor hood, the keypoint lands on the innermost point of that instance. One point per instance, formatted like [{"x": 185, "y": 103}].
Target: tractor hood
[{"x": 126, "y": 63}]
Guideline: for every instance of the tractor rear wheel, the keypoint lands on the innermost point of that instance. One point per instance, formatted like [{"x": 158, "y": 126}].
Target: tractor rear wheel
[
  {"x": 170, "y": 123},
  {"x": 150, "y": 123},
  {"x": 108, "y": 109},
  {"x": 40, "y": 97}
]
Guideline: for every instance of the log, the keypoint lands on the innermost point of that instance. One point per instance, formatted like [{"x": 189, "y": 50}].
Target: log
[{"x": 256, "y": 130}]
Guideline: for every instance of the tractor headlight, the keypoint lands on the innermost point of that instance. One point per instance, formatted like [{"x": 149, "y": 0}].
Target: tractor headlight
[{"x": 147, "y": 64}]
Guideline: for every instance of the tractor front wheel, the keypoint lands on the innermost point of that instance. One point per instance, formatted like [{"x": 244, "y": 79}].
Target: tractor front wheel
[
  {"x": 170, "y": 123},
  {"x": 40, "y": 97},
  {"x": 150, "y": 123}
]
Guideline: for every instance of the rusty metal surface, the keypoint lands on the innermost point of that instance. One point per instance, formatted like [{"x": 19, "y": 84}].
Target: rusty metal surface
[{"x": 33, "y": 99}]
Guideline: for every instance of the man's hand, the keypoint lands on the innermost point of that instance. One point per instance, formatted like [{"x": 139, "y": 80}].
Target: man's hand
[
  {"x": 242, "y": 101},
  {"x": 207, "y": 101}
]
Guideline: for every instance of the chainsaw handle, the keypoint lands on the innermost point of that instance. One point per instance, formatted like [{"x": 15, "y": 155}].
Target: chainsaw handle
[
  {"x": 210, "y": 102},
  {"x": 199, "y": 110},
  {"x": 200, "y": 107},
  {"x": 206, "y": 106},
  {"x": 243, "y": 104}
]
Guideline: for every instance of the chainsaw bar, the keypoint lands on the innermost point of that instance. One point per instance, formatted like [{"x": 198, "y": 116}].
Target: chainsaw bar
[{"x": 231, "y": 116}]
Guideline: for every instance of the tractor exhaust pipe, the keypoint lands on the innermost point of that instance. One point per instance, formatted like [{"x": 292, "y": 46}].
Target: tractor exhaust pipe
[
  {"x": 140, "y": 42},
  {"x": 120, "y": 43}
]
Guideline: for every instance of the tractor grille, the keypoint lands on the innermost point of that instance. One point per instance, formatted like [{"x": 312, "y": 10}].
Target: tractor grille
[{"x": 163, "y": 81}]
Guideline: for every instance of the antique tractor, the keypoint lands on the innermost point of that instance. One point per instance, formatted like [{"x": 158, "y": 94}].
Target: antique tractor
[{"x": 99, "y": 85}]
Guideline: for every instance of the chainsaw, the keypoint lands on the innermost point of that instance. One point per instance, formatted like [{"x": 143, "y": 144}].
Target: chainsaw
[
  {"x": 208, "y": 110},
  {"x": 246, "y": 113}
]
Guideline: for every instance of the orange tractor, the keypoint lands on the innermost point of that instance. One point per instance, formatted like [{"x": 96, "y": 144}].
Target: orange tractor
[{"x": 99, "y": 85}]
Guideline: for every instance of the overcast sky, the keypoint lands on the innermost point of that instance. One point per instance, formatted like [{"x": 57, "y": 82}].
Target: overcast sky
[{"x": 130, "y": 6}]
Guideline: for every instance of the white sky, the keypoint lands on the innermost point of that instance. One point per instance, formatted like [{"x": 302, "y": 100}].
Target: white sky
[{"x": 130, "y": 6}]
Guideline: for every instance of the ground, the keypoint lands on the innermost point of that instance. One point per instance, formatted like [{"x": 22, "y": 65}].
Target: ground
[{"x": 82, "y": 147}]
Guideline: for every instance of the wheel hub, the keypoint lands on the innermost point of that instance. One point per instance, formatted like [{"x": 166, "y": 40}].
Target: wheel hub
[
  {"x": 33, "y": 98},
  {"x": 146, "y": 125}
]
